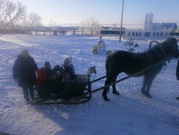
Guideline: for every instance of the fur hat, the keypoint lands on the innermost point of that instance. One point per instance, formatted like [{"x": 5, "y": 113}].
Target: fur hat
[
  {"x": 24, "y": 53},
  {"x": 67, "y": 60}
]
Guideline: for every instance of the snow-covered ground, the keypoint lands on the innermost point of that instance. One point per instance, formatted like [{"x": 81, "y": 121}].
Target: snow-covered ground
[{"x": 128, "y": 114}]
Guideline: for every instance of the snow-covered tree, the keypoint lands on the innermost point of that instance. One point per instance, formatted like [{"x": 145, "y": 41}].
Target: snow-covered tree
[{"x": 90, "y": 26}]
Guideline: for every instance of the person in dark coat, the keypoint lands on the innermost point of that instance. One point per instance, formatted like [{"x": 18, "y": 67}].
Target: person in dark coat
[
  {"x": 68, "y": 67},
  {"x": 177, "y": 74},
  {"x": 49, "y": 71},
  {"x": 24, "y": 73}
]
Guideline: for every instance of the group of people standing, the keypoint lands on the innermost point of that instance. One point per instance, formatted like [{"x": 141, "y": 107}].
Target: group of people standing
[{"x": 25, "y": 72}]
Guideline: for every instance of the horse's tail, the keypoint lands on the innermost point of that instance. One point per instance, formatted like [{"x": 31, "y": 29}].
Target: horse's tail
[
  {"x": 108, "y": 61},
  {"x": 108, "y": 70}
]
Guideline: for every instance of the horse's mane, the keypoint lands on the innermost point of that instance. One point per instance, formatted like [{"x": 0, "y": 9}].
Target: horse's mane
[{"x": 164, "y": 49}]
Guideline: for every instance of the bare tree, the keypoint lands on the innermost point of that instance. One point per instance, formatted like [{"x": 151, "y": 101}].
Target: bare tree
[
  {"x": 3, "y": 15},
  {"x": 93, "y": 26},
  {"x": 90, "y": 26},
  {"x": 34, "y": 21},
  {"x": 114, "y": 26},
  {"x": 14, "y": 16},
  {"x": 10, "y": 11},
  {"x": 82, "y": 27},
  {"x": 13, "y": 12}
]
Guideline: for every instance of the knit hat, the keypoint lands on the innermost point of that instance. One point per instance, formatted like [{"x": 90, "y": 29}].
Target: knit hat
[{"x": 46, "y": 63}]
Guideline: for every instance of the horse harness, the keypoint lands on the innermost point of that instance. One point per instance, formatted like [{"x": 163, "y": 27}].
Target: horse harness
[{"x": 159, "y": 56}]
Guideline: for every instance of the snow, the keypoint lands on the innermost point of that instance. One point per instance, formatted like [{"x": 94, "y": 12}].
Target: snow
[{"x": 128, "y": 114}]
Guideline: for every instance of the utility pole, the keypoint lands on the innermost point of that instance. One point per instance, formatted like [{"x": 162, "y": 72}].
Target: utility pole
[{"x": 121, "y": 21}]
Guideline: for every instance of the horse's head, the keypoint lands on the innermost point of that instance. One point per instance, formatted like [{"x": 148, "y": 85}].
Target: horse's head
[{"x": 171, "y": 47}]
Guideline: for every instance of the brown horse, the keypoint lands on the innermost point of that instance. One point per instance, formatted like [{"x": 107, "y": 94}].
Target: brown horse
[{"x": 130, "y": 63}]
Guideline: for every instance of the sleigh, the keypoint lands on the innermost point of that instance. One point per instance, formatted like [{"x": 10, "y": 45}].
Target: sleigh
[
  {"x": 71, "y": 89},
  {"x": 64, "y": 90}
]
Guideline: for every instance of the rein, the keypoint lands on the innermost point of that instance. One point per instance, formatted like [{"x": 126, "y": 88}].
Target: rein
[
  {"x": 166, "y": 57},
  {"x": 161, "y": 48},
  {"x": 165, "y": 67}
]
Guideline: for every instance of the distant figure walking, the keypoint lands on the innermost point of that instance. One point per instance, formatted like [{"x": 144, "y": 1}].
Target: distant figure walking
[
  {"x": 24, "y": 73},
  {"x": 101, "y": 47}
]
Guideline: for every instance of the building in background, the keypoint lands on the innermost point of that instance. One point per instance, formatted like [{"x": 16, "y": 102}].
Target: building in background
[
  {"x": 148, "y": 24},
  {"x": 152, "y": 30}
]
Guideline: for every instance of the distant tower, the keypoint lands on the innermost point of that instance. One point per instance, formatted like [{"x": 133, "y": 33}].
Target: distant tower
[{"x": 148, "y": 26}]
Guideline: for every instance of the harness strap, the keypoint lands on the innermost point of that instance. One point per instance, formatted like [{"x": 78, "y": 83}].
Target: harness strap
[
  {"x": 163, "y": 52},
  {"x": 161, "y": 48},
  {"x": 149, "y": 58}
]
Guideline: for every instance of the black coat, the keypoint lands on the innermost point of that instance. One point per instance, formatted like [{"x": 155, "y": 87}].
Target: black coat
[
  {"x": 24, "y": 71},
  {"x": 70, "y": 70}
]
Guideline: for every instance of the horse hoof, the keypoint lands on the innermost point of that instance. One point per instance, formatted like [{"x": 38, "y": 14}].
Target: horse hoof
[
  {"x": 147, "y": 94},
  {"x": 106, "y": 99},
  {"x": 116, "y": 93},
  {"x": 105, "y": 96},
  {"x": 143, "y": 92}
]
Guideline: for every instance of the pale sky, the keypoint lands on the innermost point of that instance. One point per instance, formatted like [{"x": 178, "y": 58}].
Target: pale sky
[{"x": 104, "y": 11}]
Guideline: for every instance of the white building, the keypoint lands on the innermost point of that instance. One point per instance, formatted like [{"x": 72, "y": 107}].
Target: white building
[
  {"x": 152, "y": 30},
  {"x": 148, "y": 25}
]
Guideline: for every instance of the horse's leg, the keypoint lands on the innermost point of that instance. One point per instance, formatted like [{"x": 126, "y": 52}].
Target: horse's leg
[
  {"x": 150, "y": 79},
  {"x": 104, "y": 94},
  {"x": 111, "y": 78},
  {"x": 149, "y": 83},
  {"x": 114, "y": 89},
  {"x": 144, "y": 85},
  {"x": 111, "y": 74},
  {"x": 114, "y": 85}
]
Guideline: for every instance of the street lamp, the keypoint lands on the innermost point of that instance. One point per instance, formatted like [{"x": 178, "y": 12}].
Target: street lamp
[{"x": 121, "y": 20}]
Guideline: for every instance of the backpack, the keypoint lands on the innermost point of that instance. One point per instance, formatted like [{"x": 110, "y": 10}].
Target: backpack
[{"x": 41, "y": 76}]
